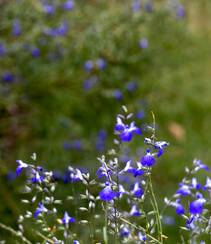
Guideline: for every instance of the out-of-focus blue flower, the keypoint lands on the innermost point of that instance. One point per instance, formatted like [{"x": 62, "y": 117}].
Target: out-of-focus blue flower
[
  {"x": 76, "y": 242},
  {"x": 48, "y": 8},
  {"x": 148, "y": 7},
  {"x": 136, "y": 5},
  {"x": 148, "y": 160},
  {"x": 8, "y": 77},
  {"x": 90, "y": 83},
  {"x": 62, "y": 29},
  {"x": 124, "y": 232},
  {"x": 107, "y": 194},
  {"x": 89, "y": 65},
  {"x": 178, "y": 207},
  {"x": 16, "y": 28},
  {"x": 143, "y": 43},
  {"x": 208, "y": 183},
  {"x": 137, "y": 190},
  {"x": 168, "y": 220},
  {"x": 132, "y": 86},
  {"x": 142, "y": 237},
  {"x": 40, "y": 209},
  {"x": 180, "y": 11},
  {"x": 37, "y": 177},
  {"x": 196, "y": 207},
  {"x": 68, "y": 5},
  {"x": 195, "y": 184},
  {"x": 199, "y": 165},
  {"x": 140, "y": 114},
  {"x": 3, "y": 50},
  {"x": 100, "y": 141},
  {"x": 67, "y": 219},
  {"x": 21, "y": 166},
  {"x": 67, "y": 145},
  {"x": 101, "y": 63},
  {"x": 134, "y": 211},
  {"x": 128, "y": 168},
  {"x": 35, "y": 52},
  {"x": 118, "y": 95},
  {"x": 184, "y": 190},
  {"x": 11, "y": 176}
]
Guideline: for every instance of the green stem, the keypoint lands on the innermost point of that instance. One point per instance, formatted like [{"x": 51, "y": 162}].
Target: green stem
[
  {"x": 105, "y": 229},
  {"x": 15, "y": 233},
  {"x": 155, "y": 208}
]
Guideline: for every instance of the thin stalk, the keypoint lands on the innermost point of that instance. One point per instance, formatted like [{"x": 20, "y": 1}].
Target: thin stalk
[
  {"x": 15, "y": 233},
  {"x": 155, "y": 208},
  {"x": 105, "y": 228}
]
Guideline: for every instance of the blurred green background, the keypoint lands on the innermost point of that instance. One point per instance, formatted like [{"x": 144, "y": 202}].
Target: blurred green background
[{"x": 156, "y": 57}]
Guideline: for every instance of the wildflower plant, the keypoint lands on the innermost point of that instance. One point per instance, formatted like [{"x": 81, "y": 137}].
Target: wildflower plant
[{"x": 118, "y": 203}]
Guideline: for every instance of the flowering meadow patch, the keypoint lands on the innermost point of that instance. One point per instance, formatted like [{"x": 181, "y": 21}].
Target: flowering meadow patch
[{"x": 118, "y": 204}]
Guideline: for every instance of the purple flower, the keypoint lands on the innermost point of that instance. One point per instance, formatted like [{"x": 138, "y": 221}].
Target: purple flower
[
  {"x": 132, "y": 86},
  {"x": 21, "y": 166},
  {"x": 40, "y": 209},
  {"x": 134, "y": 211},
  {"x": 142, "y": 237},
  {"x": 67, "y": 219},
  {"x": 90, "y": 83},
  {"x": 124, "y": 232},
  {"x": 137, "y": 190},
  {"x": 68, "y": 5},
  {"x": 143, "y": 43},
  {"x": 88, "y": 66},
  {"x": 199, "y": 165},
  {"x": 107, "y": 194},
  {"x": 178, "y": 206},
  {"x": 128, "y": 168},
  {"x": 101, "y": 64},
  {"x": 118, "y": 95},
  {"x": 8, "y": 77},
  {"x": 48, "y": 8},
  {"x": 127, "y": 134},
  {"x": 184, "y": 190},
  {"x": 37, "y": 177},
  {"x": 35, "y": 52},
  {"x": 196, "y": 207},
  {"x": 3, "y": 50},
  {"x": 148, "y": 160},
  {"x": 180, "y": 11},
  {"x": 148, "y": 7},
  {"x": 136, "y": 5},
  {"x": 16, "y": 28}
]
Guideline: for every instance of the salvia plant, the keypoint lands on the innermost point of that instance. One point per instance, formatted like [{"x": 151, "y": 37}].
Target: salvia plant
[{"x": 117, "y": 204}]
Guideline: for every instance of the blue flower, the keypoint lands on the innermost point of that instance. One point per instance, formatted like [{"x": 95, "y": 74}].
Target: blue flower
[
  {"x": 178, "y": 206},
  {"x": 40, "y": 209},
  {"x": 101, "y": 64},
  {"x": 107, "y": 194},
  {"x": 132, "y": 86},
  {"x": 68, "y": 5},
  {"x": 21, "y": 166},
  {"x": 118, "y": 95},
  {"x": 134, "y": 211},
  {"x": 137, "y": 190},
  {"x": 35, "y": 52},
  {"x": 196, "y": 207},
  {"x": 184, "y": 190},
  {"x": 148, "y": 7},
  {"x": 148, "y": 160},
  {"x": 67, "y": 219},
  {"x": 120, "y": 126},
  {"x": 199, "y": 165},
  {"x": 128, "y": 168},
  {"x": 127, "y": 134},
  {"x": 143, "y": 43},
  {"x": 3, "y": 50},
  {"x": 8, "y": 77},
  {"x": 208, "y": 183},
  {"x": 136, "y": 6},
  {"x": 195, "y": 184},
  {"x": 16, "y": 28},
  {"x": 49, "y": 8},
  {"x": 37, "y": 177},
  {"x": 124, "y": 232},
  {"x": 142, "y": 237},
  {"x": 76, "y": 242},
  {"x": 180, "y": 11},
  {"x": 190, "y": 222},
  {"x": 88, "y": 66}
]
